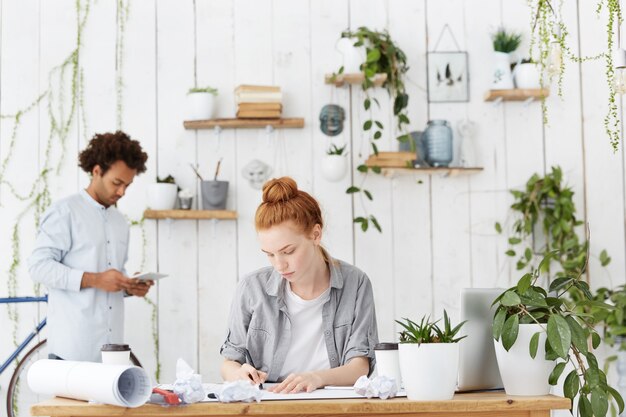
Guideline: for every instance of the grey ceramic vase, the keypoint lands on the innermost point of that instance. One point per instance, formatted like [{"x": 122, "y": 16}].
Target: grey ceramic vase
[
  {"x": 438, "y": 141},
  {"x": 214, "y": 194}
]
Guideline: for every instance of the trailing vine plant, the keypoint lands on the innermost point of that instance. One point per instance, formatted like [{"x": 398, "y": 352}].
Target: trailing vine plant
[
  {"x": 548, "y": 46},
  {"x": 382, "y": 56}
]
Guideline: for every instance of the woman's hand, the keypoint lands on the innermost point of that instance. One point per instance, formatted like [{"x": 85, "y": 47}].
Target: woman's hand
[
  {"x": 249, "y": 373},
  {"x": 307, "y": 382}
]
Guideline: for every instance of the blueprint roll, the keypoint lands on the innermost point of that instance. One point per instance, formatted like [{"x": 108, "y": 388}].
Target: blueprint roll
[{"x": 123, "y": 385}]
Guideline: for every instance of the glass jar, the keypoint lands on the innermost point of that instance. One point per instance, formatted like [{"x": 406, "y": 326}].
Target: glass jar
[{"x": 438, "y": 140}]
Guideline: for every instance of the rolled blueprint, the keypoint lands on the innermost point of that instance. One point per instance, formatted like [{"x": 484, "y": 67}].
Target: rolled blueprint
[{"x": 127, "y": 386}]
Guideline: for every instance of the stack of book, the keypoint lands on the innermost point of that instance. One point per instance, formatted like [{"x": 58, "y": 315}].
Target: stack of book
[
  {"x": 258, "y": 102},
  {"x": 403, "y": 159}
]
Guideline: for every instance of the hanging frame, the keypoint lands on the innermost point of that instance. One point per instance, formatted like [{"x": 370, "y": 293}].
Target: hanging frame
[{"x": 448, "y": 73}]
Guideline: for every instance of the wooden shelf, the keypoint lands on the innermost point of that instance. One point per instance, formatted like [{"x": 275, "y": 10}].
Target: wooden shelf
[
  {"x": 516, "y": 94},
  {"x": 445, "y": 171},
  {"x": 357, "y": 78},
  {"x": 293, "y": 123},
  {"x": 190, "y": 214}
]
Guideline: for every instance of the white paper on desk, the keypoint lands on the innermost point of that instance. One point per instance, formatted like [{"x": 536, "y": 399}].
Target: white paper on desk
[{"x": 127, "y": 386}]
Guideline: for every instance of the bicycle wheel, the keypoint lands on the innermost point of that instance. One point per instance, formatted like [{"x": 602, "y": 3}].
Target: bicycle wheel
[{"x": 19, "y": 395}]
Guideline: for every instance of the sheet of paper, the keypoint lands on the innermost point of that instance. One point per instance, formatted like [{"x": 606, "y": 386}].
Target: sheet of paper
[
  {"x": 144, "y": 276},
  {"x": 127, "y": 386}
]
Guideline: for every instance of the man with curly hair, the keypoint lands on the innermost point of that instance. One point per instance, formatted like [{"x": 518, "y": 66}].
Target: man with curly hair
[{"x": 81, "y": 249}]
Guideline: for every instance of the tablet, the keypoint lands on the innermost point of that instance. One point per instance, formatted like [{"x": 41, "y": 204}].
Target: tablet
[{"x": 145, "y": 276}]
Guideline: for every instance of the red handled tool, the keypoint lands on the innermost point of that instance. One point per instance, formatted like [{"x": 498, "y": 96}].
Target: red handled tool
[{"x": 168, "y": 396}]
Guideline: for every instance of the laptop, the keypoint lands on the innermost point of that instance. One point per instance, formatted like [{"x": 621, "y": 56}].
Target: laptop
[{"x": 478, "y": 367}]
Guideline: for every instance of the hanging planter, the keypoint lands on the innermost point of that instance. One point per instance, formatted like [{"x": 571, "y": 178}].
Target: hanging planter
[{"x": 335, "y": 164}]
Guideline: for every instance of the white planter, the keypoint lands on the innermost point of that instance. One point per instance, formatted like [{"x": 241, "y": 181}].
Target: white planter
[
  {"x": 334, "y": 167},
  {"x": 352, "y": 56},
  {"x": 429, "y": 371},
  {"x": 501, "y": 78},
  {"x": 162, "y": 196},
  {"x": 527, "y": 76},
  {"x": 521, "y": 374},
  {"x": 200, "y": 106}
]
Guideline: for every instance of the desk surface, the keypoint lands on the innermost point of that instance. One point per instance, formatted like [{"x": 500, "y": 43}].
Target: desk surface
[{"x": 483, "y": 404}]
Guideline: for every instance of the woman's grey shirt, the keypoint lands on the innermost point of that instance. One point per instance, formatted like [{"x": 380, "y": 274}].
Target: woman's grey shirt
[{"x": 259, "y": 328}]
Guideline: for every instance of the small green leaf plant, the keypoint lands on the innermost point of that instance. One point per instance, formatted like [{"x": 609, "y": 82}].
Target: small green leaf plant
[
  {"x": 335, "y": 150},
  {"x": 568, "y": 333},
  {"x": 613, "y": 321},
  {"x": 167, "y": 180},
  {"x": 206, "y": 89},
  {"x": 428, "y": 331},
  {"x": 384, "y": 56},
  {"x": 505, "y": 41}
]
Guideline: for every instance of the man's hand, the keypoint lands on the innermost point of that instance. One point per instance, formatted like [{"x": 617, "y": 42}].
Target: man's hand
[
  {"x": 139, "y": 288},
  {"x": 307, "y": 382},
  {"x": 111, "y": 280}
]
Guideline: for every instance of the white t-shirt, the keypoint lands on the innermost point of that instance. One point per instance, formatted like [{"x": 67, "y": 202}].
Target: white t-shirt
[{"x": 307, "y": 351}]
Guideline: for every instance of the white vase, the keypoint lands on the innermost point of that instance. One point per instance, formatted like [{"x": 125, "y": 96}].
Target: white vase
[
  {"x": 200, "y": 106},
  {"x": 429, "y": 370},
  {"x": 162, "y": 196},
  {"x": 334, "y": 167},
  {"x": 352, "y": 56},
  {"x": 527, "y": 76},
  {"x": 501, "y": 77},
  {"x": 521, "y": 374}
]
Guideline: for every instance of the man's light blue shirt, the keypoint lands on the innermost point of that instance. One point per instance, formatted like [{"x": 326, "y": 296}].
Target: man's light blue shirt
[{"x": 77, "y": 235}]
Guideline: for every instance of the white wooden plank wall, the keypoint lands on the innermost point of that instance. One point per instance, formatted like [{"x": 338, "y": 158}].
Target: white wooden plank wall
[{"x": 438, "y": 232}]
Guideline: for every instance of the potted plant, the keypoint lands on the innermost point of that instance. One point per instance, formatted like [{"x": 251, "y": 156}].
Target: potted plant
[
  {"x": 526, "y": 74},
  {"x": 162, "y": 194},
  {"x": 429, "y": 358},
  {"x": 504, "y": 42},
  {"x": 535, "y": 330},
  {"x": 382, "y": 55},
  {"x": 334, "y": 165},
  {"x": 201, "y": 103}
]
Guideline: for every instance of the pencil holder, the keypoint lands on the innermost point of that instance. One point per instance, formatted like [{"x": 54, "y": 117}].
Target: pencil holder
[{"x": 214, "y": 194}]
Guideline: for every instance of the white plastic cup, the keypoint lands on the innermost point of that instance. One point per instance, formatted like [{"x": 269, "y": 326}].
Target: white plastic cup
[
  {"x": 387, "y": 361},
  {"x": 114, "y": 354}
]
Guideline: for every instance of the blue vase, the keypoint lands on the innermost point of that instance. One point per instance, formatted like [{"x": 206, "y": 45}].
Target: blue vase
[{"x": 438, "y": 141}]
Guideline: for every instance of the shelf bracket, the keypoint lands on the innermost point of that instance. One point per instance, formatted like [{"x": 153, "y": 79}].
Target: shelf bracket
[
  {"x": 269, "y": 129},
  {"x": 497, "y": 101},
  {"x": 218, "y": 130},
  {"x": 528, "y": 101}
]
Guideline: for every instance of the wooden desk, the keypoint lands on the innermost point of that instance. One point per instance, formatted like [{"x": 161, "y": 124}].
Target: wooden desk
[{"x": 485, "y": 404}]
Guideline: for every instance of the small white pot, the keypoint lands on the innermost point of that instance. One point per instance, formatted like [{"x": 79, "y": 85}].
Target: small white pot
[
  {"x": 501, "y": 78},
  {"x": 200, "y": 106},
  {"x": 334, "y": 167},
  {"x": 352, "y": 56},
  {"x": 527, "y": 76},
  {"x": 521, "y": 374},
  {"x": 429, "y": 370},
  {"x": 162, "y": 196}
]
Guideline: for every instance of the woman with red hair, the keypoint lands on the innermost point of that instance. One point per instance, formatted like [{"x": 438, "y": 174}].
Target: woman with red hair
[{"x": 307, "y": 320}]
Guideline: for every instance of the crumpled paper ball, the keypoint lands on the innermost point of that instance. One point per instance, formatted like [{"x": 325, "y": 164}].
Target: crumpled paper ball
[
  {"x": 239, "y": 391},
  {"x": 188, "y": 384},
  {"x": 382, "y": 387}
]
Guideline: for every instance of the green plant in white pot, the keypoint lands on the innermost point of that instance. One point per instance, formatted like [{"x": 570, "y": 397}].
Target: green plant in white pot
[
  {"x": 162, "y": 194},
  {"x": 429, "y": 358},
  {"x": 335, "y": 164},
  {"x": 201, "y": 103},
  {"x": 537, "y": 334},
  {"x": 504, "y": 42}
]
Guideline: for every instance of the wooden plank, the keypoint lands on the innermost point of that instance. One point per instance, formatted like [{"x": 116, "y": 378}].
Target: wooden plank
[
  {"x": 448, "y": 172},
  {"x": 340, "y": 80},
  {"x": 461, "y": 403},
  {"x": 190, "y": 214},
  {"x": 516, "y": 94},
  {"x": 234, "y": 123}
]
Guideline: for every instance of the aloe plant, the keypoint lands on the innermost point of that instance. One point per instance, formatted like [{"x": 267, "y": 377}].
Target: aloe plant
[{"x": 428, "y": 331}]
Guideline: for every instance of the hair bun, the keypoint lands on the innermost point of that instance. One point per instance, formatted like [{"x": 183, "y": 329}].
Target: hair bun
[{"x": 279, "y": 190}]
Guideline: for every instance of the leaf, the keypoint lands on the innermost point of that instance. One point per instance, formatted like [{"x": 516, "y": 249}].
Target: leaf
[
  {"x": 510, "y": 299},
  {"x": 595, "y": 340},
  {"x": 559, "y": 335},
  {"x": 559, "y": 283},
  {"x": 367, "y": 125},
  {"x": 524, "y": 283},
  {"x": 367, "y": 103},
  {"x": 605, "y": 259},
  {"x": 378, "y": 134},
  {"x": 498, "y": 227},
  {"x": 510, "y": 252},
  {"x": 584, "y": 407},
  {"x": 617, "y": 397},
  {"x": 373, "y": 55},
  {"x": 599, "y": 402},
  {"x": 528, "y": 254},
  {"x": 579, "y": 337},
  {"x": 534, "y": 343},
  {"x": 379, "y": 124},
  {"x": 376, "y": 224},
  {"x": 376, "y": 169},
  {"x": 510, "y": 331},
  {"x": 498, "y": 323},
  {"x": 374, "y": 148},
  {"x": 352, "y": 189},
  {"x": 368, "y": 195},
  {"x": 571, "y": 385},
  {"x": 362, "y": 168},
  {"x": 556, "y": 373},
  {"x": 514, "y": 240}
]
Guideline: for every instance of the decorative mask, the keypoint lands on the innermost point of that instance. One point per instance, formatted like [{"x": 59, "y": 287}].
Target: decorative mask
[
  {"x": 331, "y": 119},
  {"x": 256, "y": 172}
]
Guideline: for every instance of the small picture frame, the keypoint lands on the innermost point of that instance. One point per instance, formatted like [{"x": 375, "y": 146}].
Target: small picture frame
[{"x": 448, "y": 77}]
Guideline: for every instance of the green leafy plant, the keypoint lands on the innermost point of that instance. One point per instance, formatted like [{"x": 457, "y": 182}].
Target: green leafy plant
[
  {"x": 383, "y": 56},
  {"x": 568, "y": 332},
  {"x": 547, "y": 206},
  {"x": 613, "y": 321},
  {"x": 505, "y": 41},
  {"x": 429, "y": 332},
  {"x": 167, "y": 180},
  {"x": 334, "y": 150},
  {"x": 206, "y": 89}
]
